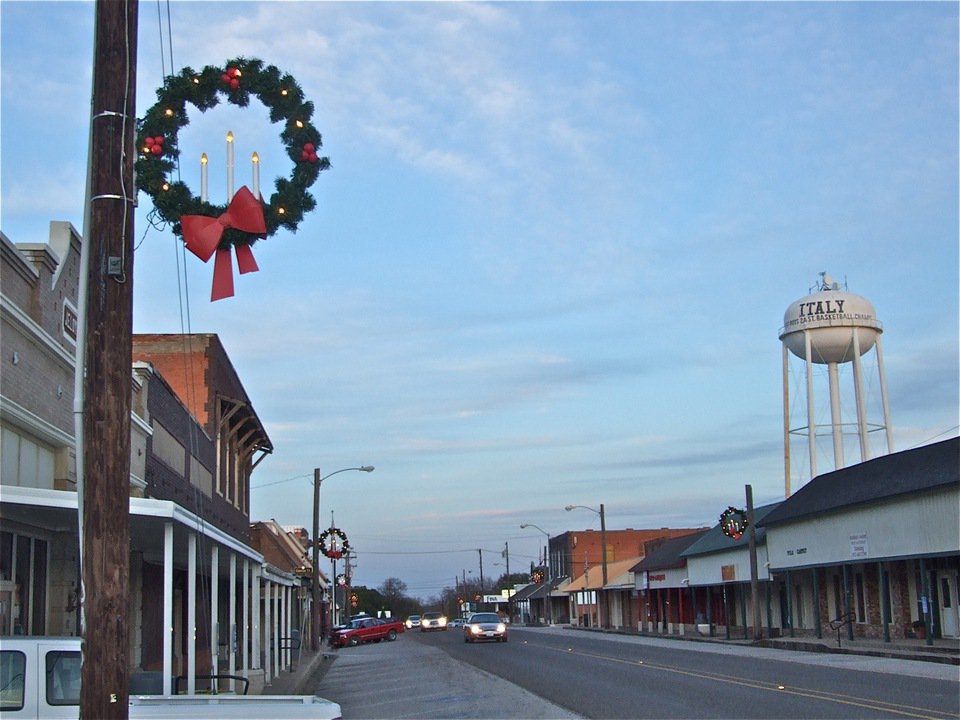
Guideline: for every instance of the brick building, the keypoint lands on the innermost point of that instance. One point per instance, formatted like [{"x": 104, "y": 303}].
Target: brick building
[{"x": 574, "y": 553}]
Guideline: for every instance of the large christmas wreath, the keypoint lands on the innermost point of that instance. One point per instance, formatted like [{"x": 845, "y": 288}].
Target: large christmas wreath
[
  {"x": 241, "y": 222},
  {"x": 333, "y": 543},
  {"x": 733, "y": 522}
]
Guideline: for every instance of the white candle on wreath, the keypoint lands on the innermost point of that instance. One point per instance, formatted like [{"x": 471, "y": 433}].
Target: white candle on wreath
[
  {"x": 229, "y": 166},
  {"x": 203, "y": 177},
  {"x": 255, "y": 159}
]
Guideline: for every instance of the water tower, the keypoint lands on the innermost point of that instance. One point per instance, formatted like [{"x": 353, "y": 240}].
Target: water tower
[{"x": 833, "y": 328}]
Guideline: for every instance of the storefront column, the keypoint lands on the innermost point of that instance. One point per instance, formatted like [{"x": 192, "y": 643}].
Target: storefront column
[
  {"x": 192, "y": 613},
  {"x": 847, "y": 607},
  {"x": 288, "y": 602},
  {"x": 255, "y": 617},
  {"x": 277, "y": 613},
  {"x": 168, "y": 608},
  {"x": 232, "y": 624},
  {"x": 816, "y": 604},
  {"x": 790, "y": 604},
  {"x": 884, "y": 585},
  {"x": 926, "y": 601},
  {"x": 267, "y": 631},
  {"x": 246, "y": 637},
  {"x": 214, "y": 609}
]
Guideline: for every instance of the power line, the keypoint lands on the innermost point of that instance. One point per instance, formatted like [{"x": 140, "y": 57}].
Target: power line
[{"x": 277, "y": 482}]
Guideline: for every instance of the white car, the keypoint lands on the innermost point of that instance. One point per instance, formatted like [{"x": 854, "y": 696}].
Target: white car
[
  {"x": 433, "y": 621},
  {"x": 412, "y": 622},
  {"x": 485, "y": 626}
]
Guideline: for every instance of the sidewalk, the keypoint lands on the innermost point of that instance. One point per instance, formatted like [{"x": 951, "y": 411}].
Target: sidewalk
[
  {"x": 308, "y": 668},
  {"x": 940, "y": 650}
]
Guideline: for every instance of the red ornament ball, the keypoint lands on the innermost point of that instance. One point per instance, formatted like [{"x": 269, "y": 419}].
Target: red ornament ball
[
  {"x": 308, "y": 147},
  {"x": 153, "y": 145}
]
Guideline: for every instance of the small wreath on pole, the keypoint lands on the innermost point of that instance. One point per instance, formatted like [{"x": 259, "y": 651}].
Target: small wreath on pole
[
  {"x": 333, "y": 543},
  {"x": 241, "y": 222},
  {"x": 733, "y": 522}
]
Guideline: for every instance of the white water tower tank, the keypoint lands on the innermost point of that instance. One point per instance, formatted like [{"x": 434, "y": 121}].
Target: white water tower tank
[{"x": 831, "y": 327}]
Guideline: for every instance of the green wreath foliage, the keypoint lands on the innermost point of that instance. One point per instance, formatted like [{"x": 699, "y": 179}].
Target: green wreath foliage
[
  {"x": 733, "y": 522},
  {"x": 324, "y": 543},
  {"x": 237, "y": 81}
]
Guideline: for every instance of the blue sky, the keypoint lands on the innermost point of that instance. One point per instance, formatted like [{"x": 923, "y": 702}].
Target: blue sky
[{"x": 552, "y": 256}]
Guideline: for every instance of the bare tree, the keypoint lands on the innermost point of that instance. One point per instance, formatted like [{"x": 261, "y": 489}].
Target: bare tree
[{"x": 393, "y": 589}]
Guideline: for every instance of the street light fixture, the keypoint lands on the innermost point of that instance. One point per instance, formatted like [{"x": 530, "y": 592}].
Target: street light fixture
[
  {"x": 605, "y": 622},
  {"x": 547, "y": 600},
  {"x": 315, "y": 590}
]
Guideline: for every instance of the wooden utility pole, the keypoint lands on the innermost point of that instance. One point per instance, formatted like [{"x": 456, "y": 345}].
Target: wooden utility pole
[
  {"x": 107, "y": 381},
  {"x": 754, "y": 577}
]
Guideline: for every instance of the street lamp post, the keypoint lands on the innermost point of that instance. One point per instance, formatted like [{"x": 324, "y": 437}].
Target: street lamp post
[
  {"x": 547, "y": 599},
  {"x": 315, "y": 589},
  {"x": 605, "y": 622}
]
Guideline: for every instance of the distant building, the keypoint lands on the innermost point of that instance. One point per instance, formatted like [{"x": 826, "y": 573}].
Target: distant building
[{"x": 577, "y": 554}]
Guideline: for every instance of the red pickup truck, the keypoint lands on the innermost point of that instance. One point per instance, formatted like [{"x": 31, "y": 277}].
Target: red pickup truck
[{"x": 366, "y": 629}]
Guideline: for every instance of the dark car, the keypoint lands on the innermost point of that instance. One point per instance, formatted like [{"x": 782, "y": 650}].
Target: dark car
[{"x": 485, "y": 626}]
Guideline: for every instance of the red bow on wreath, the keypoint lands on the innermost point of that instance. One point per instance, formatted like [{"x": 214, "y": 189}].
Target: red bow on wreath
[{"x": 202, "y": 234}]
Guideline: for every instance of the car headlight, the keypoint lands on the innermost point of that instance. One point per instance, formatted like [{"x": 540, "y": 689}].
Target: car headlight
[
  {"x": 501, "y": 628},
  {"x": 475, "y": 629},
  {"x": 442, "y": 621}
]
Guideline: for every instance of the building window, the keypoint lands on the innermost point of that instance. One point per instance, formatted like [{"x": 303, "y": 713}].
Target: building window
[
  {"x": 23, "y": 583},
  {"x": 26, "y": 462}
]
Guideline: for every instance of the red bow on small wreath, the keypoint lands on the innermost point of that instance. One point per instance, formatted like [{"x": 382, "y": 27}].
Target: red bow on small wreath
[{"x": 202, "y": 234}]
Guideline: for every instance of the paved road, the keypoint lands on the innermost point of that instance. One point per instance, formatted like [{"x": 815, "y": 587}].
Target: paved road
[
  {"x": 409, "y": 678},
  {"x": 438, "y": 676}
]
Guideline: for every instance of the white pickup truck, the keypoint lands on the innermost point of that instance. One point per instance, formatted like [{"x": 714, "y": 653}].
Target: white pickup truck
[{"x": 40, "y": 679}]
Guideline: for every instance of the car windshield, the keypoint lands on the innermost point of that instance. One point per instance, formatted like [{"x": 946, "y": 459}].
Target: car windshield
[
  {"x": 485, "y": 618},
  {"x": 431, "y": 616}
]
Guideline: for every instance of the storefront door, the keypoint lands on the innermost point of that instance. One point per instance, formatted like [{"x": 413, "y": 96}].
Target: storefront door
[{"x": 949, "y": 618}]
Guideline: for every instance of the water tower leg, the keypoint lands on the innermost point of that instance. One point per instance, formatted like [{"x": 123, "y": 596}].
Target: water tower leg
[
  {"x": 861, "y": 407},
  {"x": 786, "y": 421},
  {"x": 811, "y": 422},
  {"x": 835, "y": 418},
  {"x": 883, "y": 396}
]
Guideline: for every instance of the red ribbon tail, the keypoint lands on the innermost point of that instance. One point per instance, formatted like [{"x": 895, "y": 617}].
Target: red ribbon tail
[
  {"x": 201, "y": 234},
  {"x": 222, "y": 276},
  {"x": 245, "y": 261}
]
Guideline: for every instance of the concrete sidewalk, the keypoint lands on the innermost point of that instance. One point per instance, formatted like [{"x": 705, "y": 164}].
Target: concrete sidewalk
[
  {"x": 939, "y": 650},
  {"x": 308, "y": 668}
]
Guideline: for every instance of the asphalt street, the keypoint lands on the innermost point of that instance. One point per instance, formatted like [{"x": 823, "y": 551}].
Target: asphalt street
[
  {"x": 556, "y": 673},
  {"x": 409, "y": 678}
]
